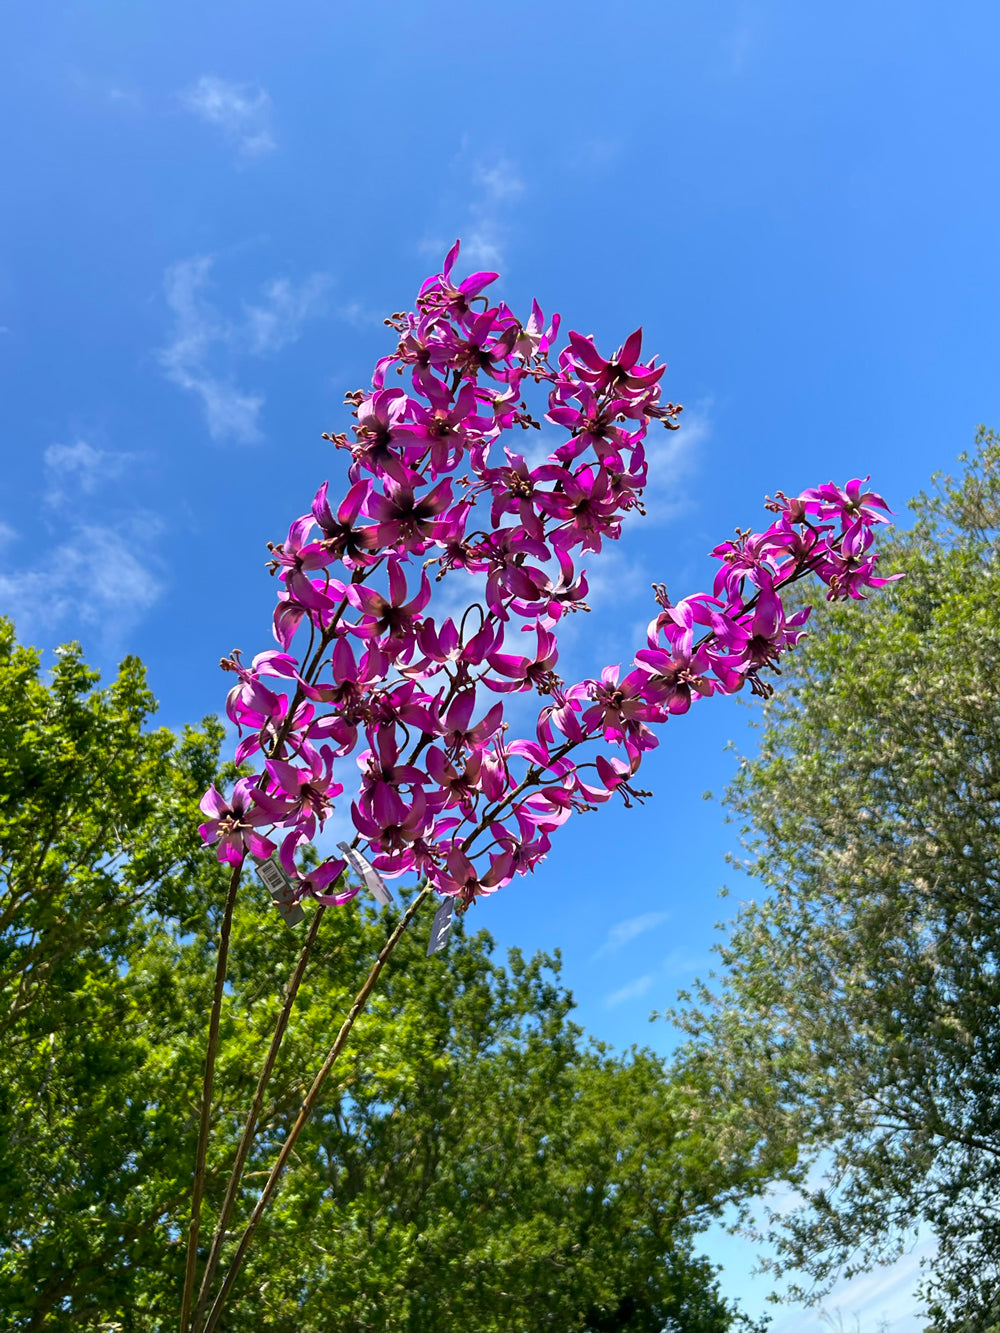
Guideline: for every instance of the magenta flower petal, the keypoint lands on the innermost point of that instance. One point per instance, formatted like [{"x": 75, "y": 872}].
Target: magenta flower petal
[{"x": 213, "y": 803}]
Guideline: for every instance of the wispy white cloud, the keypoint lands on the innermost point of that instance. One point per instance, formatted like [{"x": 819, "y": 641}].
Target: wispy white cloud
[
  {"x": 500, "y": 180},
  {"x": 93, "y": 579},
  {"x": 97, "y": 90},
  {"x": 613, "y": 576},
  {"x": 277, "y": 320},
  {"x": 675, "y": 963},
  {"x": 196, "y": 326},
  {"x": 230, "y": 413},
  {"x": 681, "y": 961},
  {"x": 740, "y": 46},
  {"x": 883, "y": 1299},
  {"x": 672, "y": 457},
  {"x": 499, "y": 185},
  {"x": 630, "y": 992},
  {"x": 240, "y": 112},
  {"x": 888, "y": 1293},
  {"x": 80, "y": 467},
  {"x": 125, "y": 97},
  {"x": 885, "y": 1296},
  {"x": 601, "y": 150},
  {"x": 359, "y": 315},
  {"x": 625, "y": 931},
  {"x": 202, "y": 338},
  {"x": 481, "y": 247},
  {"x": 493, "y": 188}
]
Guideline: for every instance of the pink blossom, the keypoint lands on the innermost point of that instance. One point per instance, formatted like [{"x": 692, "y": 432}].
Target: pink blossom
[{"x": 434, "y": 494}]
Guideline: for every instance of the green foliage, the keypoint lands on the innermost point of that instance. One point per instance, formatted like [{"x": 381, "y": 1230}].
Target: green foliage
[
  {"x": 473, "y": 1164},
  {"x": 858, "y": 1015},
  {"x": 95, "y": 846}
]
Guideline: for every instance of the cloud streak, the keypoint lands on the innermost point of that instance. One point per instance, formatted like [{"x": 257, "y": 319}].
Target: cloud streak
[
  {"x": 625, "y": 931},
  {"x": 630, "y": 992},
  {"x": 81, "y": 467},
  {"x": 241, "y": 113},
  {"x": 202, "y": 338},
  {"x": 492, "y": 189},
  {"x": 94, "y": 578},
  {"x": 277, "y": 320},
  {"x": 499, "y": 186},
  {"x": 672, "y": 456}
]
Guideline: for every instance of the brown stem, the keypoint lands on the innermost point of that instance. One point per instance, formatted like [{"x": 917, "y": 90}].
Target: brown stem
[
  {"x": 198, "y": 1189},
  {"x": 246, "y": 1141},
  {"x": 312, "y": 1096}
]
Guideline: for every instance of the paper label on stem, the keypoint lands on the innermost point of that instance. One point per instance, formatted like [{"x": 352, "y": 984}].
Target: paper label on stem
[
  {"x": 281, "y": 890},
  {"x": 373, "y": 881},
  {"x": 441, "y": 927}
]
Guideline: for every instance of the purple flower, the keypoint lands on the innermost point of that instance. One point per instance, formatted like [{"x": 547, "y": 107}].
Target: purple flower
[
  {"x": 745, "y": 645},
  {"x": 850, "y": 504},
  {"x": 621, "y": 708},
  {"x": 314, "y": 884},
  {"x": 440, "y": 294},
  {"x": 458, "y": 878},
  {"x": 456, "y": 729},
  {"x": 391, "y": 619},
  {"x": 341, "y": 538},
  {"x": 623, "y": 374},
  {"x": 527, "y": 672},
  {"x": 464, "y": 787},
  {"x": 380, "y": 417},
  {"x": 392, "y": 826},
  {"x": 586, "y": 503},
  {"x": 433, "y": 484},
  {"x": 404, "y": 520},
  {"x": 300, "y": 796},
  {"x": 233, "y": 824}
]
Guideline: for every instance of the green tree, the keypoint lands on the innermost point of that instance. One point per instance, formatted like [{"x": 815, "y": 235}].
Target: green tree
[
  {"x": 858, "y": 1013},
  {"x": 95, "y": 845},
  {"x": 474, "y": 1162}
]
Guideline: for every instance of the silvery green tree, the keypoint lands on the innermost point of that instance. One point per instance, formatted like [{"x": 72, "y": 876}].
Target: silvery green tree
[{"x": 856, "y": 1018}]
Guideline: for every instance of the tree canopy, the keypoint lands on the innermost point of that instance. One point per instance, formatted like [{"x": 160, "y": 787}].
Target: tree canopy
[
  {"x": 474, "y": 1163},
  {"x": 857, "y": 1015}
]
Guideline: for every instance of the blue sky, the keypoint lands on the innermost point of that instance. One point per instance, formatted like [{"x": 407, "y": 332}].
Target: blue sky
[{"x": 210, "y": 208}]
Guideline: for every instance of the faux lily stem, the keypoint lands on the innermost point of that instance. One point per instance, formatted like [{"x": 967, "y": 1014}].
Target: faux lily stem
[
  {"x": 201, "y": 1156},
  {"x": 360, "y": 1000},
  {"x": 249, "y": 1129}
]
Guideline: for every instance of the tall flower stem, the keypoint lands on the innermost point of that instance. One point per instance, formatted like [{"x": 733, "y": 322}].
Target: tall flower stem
[
  {"x": 201, "y": 1156},
  {"x": 360, "y": 1000},
  {"x": 249, "y": 1129}
]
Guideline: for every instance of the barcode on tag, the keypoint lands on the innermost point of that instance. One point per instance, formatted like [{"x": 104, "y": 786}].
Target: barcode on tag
[
  {"x": 441, "y": 927},
  {"x": 374, "y": 882},
  {"x": 280, "y": 888}
]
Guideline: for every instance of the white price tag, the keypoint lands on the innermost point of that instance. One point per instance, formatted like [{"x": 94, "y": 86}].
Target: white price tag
[
  {"x": 441, "y": 928},
  {"x": 374, "y": 882},
  {"x": 281, "y": 890}
]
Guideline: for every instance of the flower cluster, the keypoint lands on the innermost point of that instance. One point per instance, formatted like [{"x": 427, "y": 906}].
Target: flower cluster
[{"x": 419, "y": 697}]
